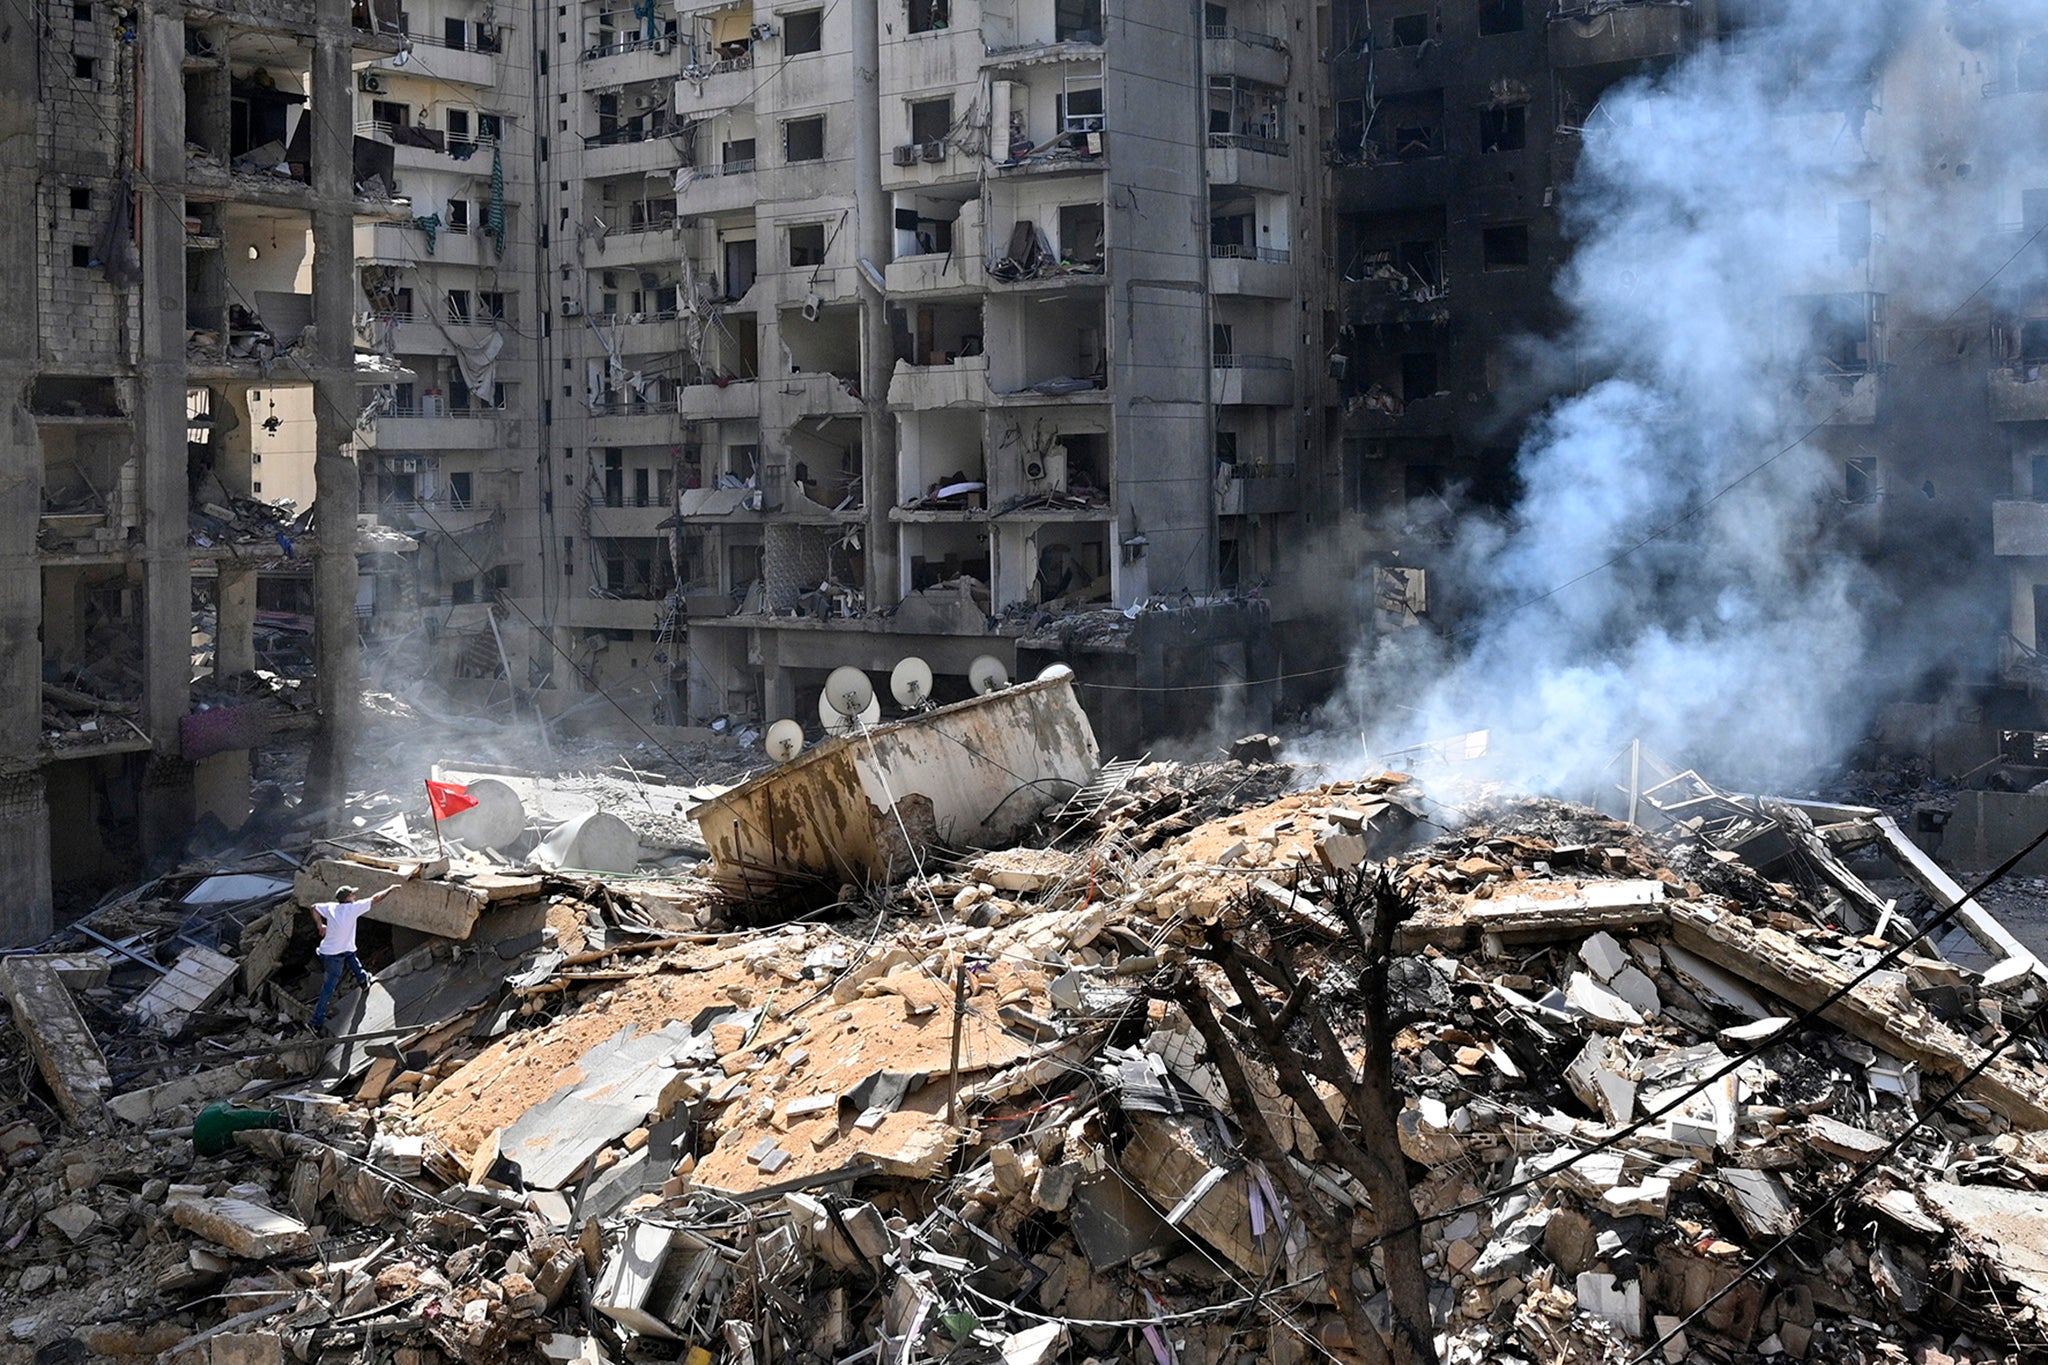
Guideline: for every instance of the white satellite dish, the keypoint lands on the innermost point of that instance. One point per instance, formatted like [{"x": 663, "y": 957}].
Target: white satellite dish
[
  {"x": 987, "y": 674},
  {"x": 911, "y": 683},
  {"x": 836, "y": 724},
  {"x": 1055, "y": 671},
  {"x": 849, "y": 691},
  {"x": 784, "y": 741}
]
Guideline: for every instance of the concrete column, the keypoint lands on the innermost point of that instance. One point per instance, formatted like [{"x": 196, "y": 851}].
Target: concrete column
[
  {"x": 160, "y": 429},
  {"x": 234, "y": 636},
  {"x": 875, "y": 243},
  {"x": 336, "y": 483},
  {"x": 24, "y": 819}
]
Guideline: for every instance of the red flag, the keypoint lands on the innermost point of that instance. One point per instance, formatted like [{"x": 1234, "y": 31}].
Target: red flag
[{"x": 447, "y": 798}]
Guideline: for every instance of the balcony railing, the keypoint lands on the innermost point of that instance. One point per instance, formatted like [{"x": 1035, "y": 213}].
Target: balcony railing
[
  {"x": 1238, "y": 360},
  {"x": 1228, "y": 251},
  {"x": 623, "y": 500},
  {"x": 1250, "y": 142},
  {"x": 619, "y": 43},
  {"x": 621, "y": 136},
  {"x": 1246, "y": 36},
  {"x": 443, "y": 410},
  {"x": 477, "y": 44},
  {"x": 473, "y": 142}
]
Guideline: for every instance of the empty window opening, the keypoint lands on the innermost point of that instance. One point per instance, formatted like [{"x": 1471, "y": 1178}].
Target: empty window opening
[
  {"x": 929, "y": 16},
  {"x": 81, "y": 256},
  {"x": 1859, "y": 480},
  {"x": 1080, "y": 233},
  {"x": 458, "y": 215},
  {"x": 803, "y": 32},
  {"x": 2034, "y": 340},
  {"x": 83, "y": 66},
  {"x": 1077, "y": 21},
  {"x": 458, "y": 305},
  {"x": 82, "y": 13},
  {"x": 459, "y": 486},
  {"x": 807, "y": 245},
  {"x": 1500, "y": 16},
  {"x": 1837, "y": 330},
  {"x": 931, "y": 120},
  {"x": 803, "y": 139},
  {"x": 1424, "y": 484},
  {"x": 1404, "y": 127},
  {"x": 81, "y": 200},
  {"x": 1504, "y": 129},
  {"x": 1418, "y": 375},
  {"x": 1408, "y": 30},
  {"x": 1505, "y": 248}
]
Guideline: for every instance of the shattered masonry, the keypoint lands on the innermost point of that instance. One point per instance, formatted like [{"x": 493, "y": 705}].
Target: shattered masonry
[{"x": 982, "y": 1107}]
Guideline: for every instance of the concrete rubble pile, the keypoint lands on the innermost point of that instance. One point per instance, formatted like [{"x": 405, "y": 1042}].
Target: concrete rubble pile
[{"x": 1646, "y": 1104}]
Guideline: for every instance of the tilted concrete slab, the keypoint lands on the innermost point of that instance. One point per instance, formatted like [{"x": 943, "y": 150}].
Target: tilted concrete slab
[
  {"x": 38, "y": 989},
  {"x": 447, "y": 909}
]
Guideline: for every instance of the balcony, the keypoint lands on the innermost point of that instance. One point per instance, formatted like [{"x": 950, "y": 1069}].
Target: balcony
[
  {"x": 962, "y": 271},
  {"x": 413, "y": 334},
  {"x": 414, "y": 429},
  {"x": 652, "y": 238},
  {"x": 717, "y": 85},
  {"x": 725, "y": 188},
  {"x": 737, "y": 400},
  {"x": 1616, "y": 31},
  {"x": 922, "y": 388},
  {"x": 632, "y": 152},
  {"x": 1396, "y": 297},
  {"x": 815, "y": 395},
  {"x": 1261, "y": 272},
  {"x": 1258, "y": 490},
  {"x": 1259, "y": 57},
  {"x": 614, "y": 613},
  {"x": 1838, "y": 399},
  {"x": 435, "y": 59},
  {"x": 1251, "y": 380},
  {"x": 2019, "y": 394},
  {"x": 2019, "y": 529},
  {"x": 630, "y": 523},
  {"x": 625, "y": 57},
  {"x": 404, "y": 244},
  {"x": 634, "y": 424},
  {"x": 1249, "y": 160},
  {"x": 640, "y": 333}
]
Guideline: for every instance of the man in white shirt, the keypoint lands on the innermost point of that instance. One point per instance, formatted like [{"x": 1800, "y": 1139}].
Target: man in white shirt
[{"x": 337, "y": 920}]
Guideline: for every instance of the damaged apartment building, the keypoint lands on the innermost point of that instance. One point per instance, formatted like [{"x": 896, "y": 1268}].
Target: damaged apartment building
[
  {"x": 186, "y": 189},
  {"x": 979, "y": 319}
]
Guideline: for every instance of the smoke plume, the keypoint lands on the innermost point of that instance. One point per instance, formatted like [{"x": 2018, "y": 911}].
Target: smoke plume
[{"x": 1682, "y": 563}]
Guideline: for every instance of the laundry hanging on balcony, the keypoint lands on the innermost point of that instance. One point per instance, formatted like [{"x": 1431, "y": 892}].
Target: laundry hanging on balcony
[{"x": 494, "y": 215}]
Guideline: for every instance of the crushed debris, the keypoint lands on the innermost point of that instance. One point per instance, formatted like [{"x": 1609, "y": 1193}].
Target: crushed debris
[{"x": 1194, "y": 1065}]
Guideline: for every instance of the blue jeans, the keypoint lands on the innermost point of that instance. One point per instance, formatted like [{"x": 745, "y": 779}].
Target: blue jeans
[{"x": 336, "y": 963}]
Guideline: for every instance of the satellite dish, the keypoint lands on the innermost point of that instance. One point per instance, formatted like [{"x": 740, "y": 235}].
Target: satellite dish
[
  {"x": 987, "y": 674},
  {"x": 837, "y": 724},
  {"x": 911, "y": 683},
  {"x": 785, "y": 740},
  {"x": 849, "y": 691},
  {"x": 1053, "y": 671}
]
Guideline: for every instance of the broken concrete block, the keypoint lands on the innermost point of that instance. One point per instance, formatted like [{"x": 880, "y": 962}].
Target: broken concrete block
[
  {"x": 1599, "y": 1003},
  {"x": 73, "y": 1220},
  {"x": 628, "y": 1279},
  {"x": 1603, "y": 955},
  {"x": 446, "y": 909},
  {"x": 1034, "y": 1345},
  {"x": 246, "y": 1348},
  {"x": 1605, "y": 1297},
  {"x": 66, "y": 1053},
  {"x": 144, "y": 1107},
  {"x": 246, "y": 1229}
]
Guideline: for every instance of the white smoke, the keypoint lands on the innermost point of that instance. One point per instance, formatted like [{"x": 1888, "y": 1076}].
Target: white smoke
[{"x": 1681, "y": 566}]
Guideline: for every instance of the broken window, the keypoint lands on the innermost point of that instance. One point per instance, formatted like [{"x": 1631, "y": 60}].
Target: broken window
[
  {"x": 1408, "y": 30},
  {"x": 1418, "y": 375},
  {"x": 926, "y": 16},
  {"x": 803, "y": 32},
  {"x": 462, "y": 592},
  {"x": 455, "y": 34},
  {"x": 459, "y": 486},
  {"x": 1350, "y": 123},
  {"x": 1080, "y": 233},
  {"x": 1404, "y": 127},
  {"x": 1859, "y": 479},
  {"x": 1505, "y": 247},
  {"x": 389, "y": 115},
  {"x": 1500, "y": 16},
  {"x": 931, "y": 120},
  {"x": 739, "y": 268},
  {"x": 1424, "y": 484},
  {"x": 807, "y": 245},
  {"x": 803, "y": 139},
  {"x": 1837, "y": 331},
  {"x": 1503, "y": 129},
  {"x": 491, "y": 304},
  {"x": 1221, "y": 343},
  {"x": 458, "y": 305},
  {"x": 1077, "y": 21},
  {"x": 458, "y": 215},
  {"x": 1226, "y": 448}
]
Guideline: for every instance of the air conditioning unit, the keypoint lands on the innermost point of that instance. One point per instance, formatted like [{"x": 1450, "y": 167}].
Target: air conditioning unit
[
  {"x": 761, "y": 33},
  {"x": 933, "y": 151},
  {"x": 662, "y": 45},
  {"x": 811, "y": 304},
  {"x": 906, "y": 154},
  {"x": 1047, "y": 471},
  {"x": 647, "y": 102},
  {"x": 571, "y": 308},
  {"x": 370, "y": 83}
]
